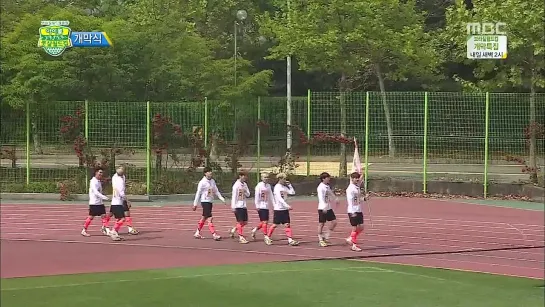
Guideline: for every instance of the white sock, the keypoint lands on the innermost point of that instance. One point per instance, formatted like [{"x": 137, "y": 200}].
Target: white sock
[
  {"x": 327, "y": 234},
  {"x": 320, "y": 237}
]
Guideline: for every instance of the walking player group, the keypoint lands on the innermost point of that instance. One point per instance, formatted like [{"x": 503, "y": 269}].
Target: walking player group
[{"x": 266, "y": 198}]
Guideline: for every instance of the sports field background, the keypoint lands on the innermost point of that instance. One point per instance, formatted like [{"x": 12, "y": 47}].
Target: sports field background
[{"x": 406, "y": 244}]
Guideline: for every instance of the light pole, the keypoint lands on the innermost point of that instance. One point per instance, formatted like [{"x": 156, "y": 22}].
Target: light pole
[
  {"x": 288, "y": 93},
  {"x": 241, "y": 16}
]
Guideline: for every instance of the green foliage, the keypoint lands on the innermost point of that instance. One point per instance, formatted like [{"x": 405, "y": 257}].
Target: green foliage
[
  {"x": 525, "y": 64},
  {"x": 352, "y": 37},
  {"x": 158, "y": 55}
]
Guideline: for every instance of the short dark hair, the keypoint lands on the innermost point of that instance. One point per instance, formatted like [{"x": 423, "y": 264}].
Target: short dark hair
[
  {"x": 242, "y": 173},
  {"x": 207, "y": 169},
  {"x": 324, "y": 175},
  {"x": 98, "y": 169},
  {"x": 355, "y": 175}
]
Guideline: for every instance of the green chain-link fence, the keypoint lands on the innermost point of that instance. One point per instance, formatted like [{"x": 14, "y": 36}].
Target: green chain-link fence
[{"x": 432, "y": 136}]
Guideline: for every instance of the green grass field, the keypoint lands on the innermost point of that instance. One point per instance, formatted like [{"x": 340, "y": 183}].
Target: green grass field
[{"x": 313, "y": 283}]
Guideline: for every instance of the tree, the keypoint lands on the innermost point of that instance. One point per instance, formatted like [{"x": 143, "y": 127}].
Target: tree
[
  {"x": 351, "y": 39},
  {"x": 524, "y": 67}
]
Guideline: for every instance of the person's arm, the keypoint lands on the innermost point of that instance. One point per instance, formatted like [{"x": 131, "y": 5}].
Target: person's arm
[
  {"x": 322, "y": 194},
  {"x": 271, "y": 196},
  {"x": 234, "y": 195},
  {"x": 333, "y": 196},
  {"x": 94, "y": 190},
  {"x": 198, "y": 194},
  {"x": 218, "y": 194},
  {"x": 257, "y": 196},
  {"x": 291, "y": 191},
  {"x": 246, "y": 190}
]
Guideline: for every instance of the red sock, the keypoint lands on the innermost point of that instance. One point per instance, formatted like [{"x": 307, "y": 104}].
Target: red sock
[
  {"x": 211, "y": 228},
  {"x": 354, "y": 236},
  {"x": 128, "y": 221},
  {"x": 288, "y": 232},
  {"x": 270, "y": 232},
  {"x": 264, "y": 228},
  {"x": 240, "y": 229},
  {"x": 118, "y": 225},
  {"x": 107, "y": 218},
  {"x": 105, "y": 222},
  {"x": 87, "y": 223},
  {"x": 259, "y": 226},
  {"x": 200, "y": 225}
]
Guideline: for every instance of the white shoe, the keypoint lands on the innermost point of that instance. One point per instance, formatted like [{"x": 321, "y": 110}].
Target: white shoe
[
  {"x": 133, "y": 231},
  {"x": 254, "y": 232},
  {"x": 242, "y": 240},
  {"x": 349, "y": 241},
  {"x": 232, "y": 233},
  {"x": 216, "y": 237},
  {"x": 115, "y": 236},
  {"x": 105, "y": 231},
  {"x": 84, "y": 233},
  {"x": 268, "y": 240},
  {"x": 197, "y": 235},
  {"x": 355, "y": 248}
]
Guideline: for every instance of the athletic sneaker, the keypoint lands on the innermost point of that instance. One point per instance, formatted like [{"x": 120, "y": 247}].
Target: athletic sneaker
[
  {"x": 84, "y": 233},
  {"x": 105, "y": 231},
  {"x": 254, "y": 232},
  {"x": 216, "y": 237},
  {"x": 323, "y": 243},
  {"x": 133, "y": 231},
  {"x": 197, "y": 235},
  {"x": 242, "y": 240},
  {"x": 268, "y": 240},
  {"x": 115, "y": 236},
  {"x": 355, "y": 248},
  {"x": 293, "y": 242}
]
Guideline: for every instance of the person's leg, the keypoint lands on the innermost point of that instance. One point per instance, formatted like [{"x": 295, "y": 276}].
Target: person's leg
[
  {"x": 87, "y": 222},
  {"x": 321, "y": 224},
  {"x": 332, "y": 219}
]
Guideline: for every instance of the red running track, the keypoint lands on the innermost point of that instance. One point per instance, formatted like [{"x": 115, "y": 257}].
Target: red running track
[{"x": 44, "y": 239}]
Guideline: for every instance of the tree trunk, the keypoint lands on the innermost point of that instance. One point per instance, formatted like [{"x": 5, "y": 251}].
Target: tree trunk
[
  {"x": 391, "y": 147},
  {"x": 532, "y": 163},
  {"x": 342, "y": 104},
  {"x": 36, "y": 137},
  {"x": 214, "y": 151}
]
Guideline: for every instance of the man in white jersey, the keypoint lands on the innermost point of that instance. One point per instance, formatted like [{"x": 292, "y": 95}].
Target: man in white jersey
[
  {"x": 240, "y": 193},
  {"x": 325, "y": 210},
  {"x": 206, "y": 190},
  {"x": 96, "y": 205},
  {"x": 354, "y": 209},
  {"x": 264, "y": 199},
  {"x": 281, "y": 215},
  {"x": 119, "y": 187},
  {"x": 117, "y": 209}
]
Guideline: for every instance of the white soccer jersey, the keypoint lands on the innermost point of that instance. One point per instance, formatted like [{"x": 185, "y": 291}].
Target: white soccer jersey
[
  {"x": 325, "y": 196},
  {"x": 263, "y": 196},
  {"x": 118, "y": 187},
  {"x": 240, "y": 193},
  {"x": 281, "y": 193},
  {"x": 95, "y": 192},
  {"x": 353, "y": 197},
  {"x": 206, "y": 190}
]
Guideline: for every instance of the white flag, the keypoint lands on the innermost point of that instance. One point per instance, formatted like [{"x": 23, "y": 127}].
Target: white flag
[{"x": 356, "y": 163}]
